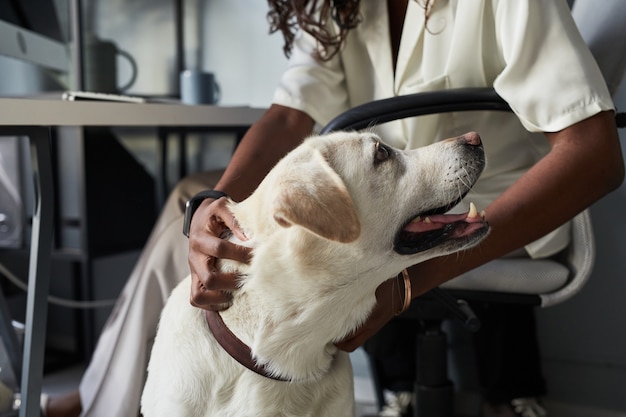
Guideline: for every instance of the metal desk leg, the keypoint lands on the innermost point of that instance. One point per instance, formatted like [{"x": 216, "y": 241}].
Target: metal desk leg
[{"x": 39, "y": 271}]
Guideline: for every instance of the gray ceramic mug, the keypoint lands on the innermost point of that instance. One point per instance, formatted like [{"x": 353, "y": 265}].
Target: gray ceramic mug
[
  {"x": 199, "y": 87},
  {"x": 100, "y": 60}
]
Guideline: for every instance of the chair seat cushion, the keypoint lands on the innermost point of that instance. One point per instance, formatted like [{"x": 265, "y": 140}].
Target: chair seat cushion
[{"x": 513, "y": 275}]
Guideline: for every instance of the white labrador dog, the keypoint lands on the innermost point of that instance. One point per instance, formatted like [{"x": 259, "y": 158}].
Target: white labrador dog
[{"x": 334, "y": 219}]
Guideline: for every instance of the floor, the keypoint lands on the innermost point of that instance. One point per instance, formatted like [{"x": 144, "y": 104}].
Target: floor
[
  {"x": 363, "y": 388},
  {"x": 365, "y": 397},
  {"x": 68, "y": 379},
  {"x": 62, "y": 381}
]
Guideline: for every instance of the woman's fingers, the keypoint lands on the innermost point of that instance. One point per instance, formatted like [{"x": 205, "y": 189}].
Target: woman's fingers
[
  {"x": 211, "y": 288},
  {"x": 207, "y": 299}
]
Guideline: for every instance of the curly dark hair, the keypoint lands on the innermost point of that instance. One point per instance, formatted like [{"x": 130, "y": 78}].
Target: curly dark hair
[{"x": 287, "y": 16}]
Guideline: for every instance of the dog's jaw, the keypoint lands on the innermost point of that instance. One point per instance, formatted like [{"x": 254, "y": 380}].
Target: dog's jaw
[{"x": 449, "y": 232}]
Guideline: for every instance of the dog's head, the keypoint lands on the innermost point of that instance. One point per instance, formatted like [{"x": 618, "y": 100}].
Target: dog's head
[
  {"x": 387, "y": 206},
  {"x": 332, "y": 220}
]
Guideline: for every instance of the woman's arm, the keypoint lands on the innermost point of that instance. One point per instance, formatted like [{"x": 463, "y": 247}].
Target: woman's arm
[
  {"x": 278, "y": 131},
  {"x": 584, "y": 164}
]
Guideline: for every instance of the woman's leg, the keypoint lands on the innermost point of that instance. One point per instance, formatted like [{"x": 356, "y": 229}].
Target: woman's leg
[{"x": 114, "y": 379}]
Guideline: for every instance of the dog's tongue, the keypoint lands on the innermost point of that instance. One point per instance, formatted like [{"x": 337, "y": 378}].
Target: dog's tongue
[{"x": 438, "y": 221}]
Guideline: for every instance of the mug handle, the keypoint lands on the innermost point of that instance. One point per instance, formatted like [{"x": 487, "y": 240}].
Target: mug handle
[
  {"x": 133, "y": 65},
  {"x": 217, "y": 92}
]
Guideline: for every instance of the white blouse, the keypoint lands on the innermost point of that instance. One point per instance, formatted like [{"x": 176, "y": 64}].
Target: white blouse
[{"x": 530, "y": 51}]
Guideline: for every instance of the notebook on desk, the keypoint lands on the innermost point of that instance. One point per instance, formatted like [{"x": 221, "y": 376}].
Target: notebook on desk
[{"x": 92, "y": 96}]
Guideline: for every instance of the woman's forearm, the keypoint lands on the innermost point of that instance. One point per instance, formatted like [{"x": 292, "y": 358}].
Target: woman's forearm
[
  {"x": 584, "y": 164},
  {"x": 279, "y": 131}
]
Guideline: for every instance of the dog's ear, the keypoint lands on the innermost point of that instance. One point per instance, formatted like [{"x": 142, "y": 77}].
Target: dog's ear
[{"x": 316, "y": 198}]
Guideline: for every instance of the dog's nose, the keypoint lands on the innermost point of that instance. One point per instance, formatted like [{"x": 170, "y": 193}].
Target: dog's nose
[{"x": 470, "y": 138}]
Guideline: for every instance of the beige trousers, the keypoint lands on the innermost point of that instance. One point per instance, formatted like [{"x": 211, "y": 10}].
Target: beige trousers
[{"x": 114, "y": 379}]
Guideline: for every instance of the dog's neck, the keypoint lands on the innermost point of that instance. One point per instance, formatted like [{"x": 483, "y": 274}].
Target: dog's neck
[
  {"x": 291, "y": 324},
  {"x": 237, "y": 349},
  {"x": 290, "y": 338}
]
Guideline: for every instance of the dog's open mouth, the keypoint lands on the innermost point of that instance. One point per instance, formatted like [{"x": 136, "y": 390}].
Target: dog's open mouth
[{"x": 427, "y": 231}]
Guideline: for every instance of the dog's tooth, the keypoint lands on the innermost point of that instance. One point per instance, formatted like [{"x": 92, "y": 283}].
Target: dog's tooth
[
  {"x": 472, "y": 211},
  {"x": 483, "y": 213},
  {"x": 416, "y": 220},
  {"x": 427, "y": 220}
]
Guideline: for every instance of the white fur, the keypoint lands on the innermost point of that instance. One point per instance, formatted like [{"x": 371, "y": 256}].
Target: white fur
[{"x": 322, "y": 224}]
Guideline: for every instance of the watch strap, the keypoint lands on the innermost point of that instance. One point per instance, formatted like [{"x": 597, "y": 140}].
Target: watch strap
[{"x": 194, "y": 202}]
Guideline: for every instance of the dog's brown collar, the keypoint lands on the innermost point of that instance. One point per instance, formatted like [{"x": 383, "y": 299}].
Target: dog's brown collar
[{"x": 234, "y": 346}]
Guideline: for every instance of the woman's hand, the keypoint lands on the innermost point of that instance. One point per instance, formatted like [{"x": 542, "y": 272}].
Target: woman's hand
[
  {"x": 210, "y": 288},
  {"x": 278, "y": 131}
]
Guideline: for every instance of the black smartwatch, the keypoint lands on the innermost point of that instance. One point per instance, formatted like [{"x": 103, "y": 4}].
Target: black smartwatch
[{"x": 193, "y": 204}]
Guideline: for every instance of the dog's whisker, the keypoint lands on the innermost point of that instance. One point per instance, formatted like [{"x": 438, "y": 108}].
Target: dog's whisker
[
  {"x": 465, "y": 177},
  {"x": 459, "y": 190},
  {"x": 463, "y": 181}
]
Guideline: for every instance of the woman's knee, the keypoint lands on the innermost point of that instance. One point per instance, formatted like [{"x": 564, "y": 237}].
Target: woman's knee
[{"x": 191, "y": 185}]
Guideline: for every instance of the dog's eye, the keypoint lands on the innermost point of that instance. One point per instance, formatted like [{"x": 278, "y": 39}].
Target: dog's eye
[{"x": 382, "y": 153}]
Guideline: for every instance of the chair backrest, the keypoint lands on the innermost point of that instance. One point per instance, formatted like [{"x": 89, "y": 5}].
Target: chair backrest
[
  {"x": 541, "y": 282},
  {"x": 419, "y": 104}
]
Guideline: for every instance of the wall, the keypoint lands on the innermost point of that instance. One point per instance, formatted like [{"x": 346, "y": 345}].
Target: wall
[
  {"x": 583, "y": 340},
  {"x": 228, "y": 37}
]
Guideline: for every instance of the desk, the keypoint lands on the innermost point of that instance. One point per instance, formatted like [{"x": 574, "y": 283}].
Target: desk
[{"x": 34, "y": 119}]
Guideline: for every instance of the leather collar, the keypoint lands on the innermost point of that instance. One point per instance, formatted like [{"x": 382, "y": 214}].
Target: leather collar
[{"x": 234, "y": 346}]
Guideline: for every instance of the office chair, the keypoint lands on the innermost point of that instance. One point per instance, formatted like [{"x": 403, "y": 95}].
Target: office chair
[{"x": 539, "y": 282}]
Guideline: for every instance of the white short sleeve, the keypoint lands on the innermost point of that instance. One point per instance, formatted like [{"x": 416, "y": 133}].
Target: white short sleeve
[{"x": 544, "y": 99}]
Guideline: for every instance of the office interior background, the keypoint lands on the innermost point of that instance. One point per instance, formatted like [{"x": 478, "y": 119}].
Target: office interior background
[{"x": 583, "y": 341}]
